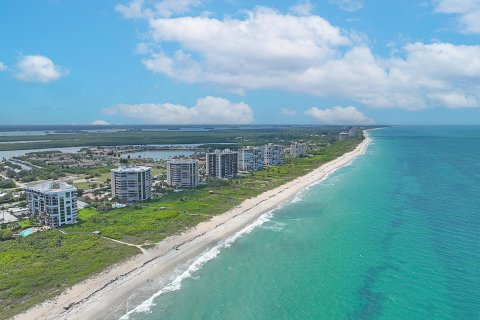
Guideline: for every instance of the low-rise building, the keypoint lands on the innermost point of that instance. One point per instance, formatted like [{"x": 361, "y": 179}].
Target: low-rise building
[
  {"x": 222, "y": 164},
  {"x": 132, "y": 184},
  {"x": 182, "y": 173},
  {"x": 272, "y": 154},
  {"x": 53, "y": 203},
  {"x": 250, "y": 159},
  {"x": 343, "y": 136},
  {"x": 298, "y": 150}
]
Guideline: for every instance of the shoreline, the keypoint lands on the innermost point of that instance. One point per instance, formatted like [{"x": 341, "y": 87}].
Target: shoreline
[{"x": 104, "y": 294}]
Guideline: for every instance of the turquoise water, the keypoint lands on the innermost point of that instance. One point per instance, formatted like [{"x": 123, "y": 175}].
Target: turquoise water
[{"x": 394, "y": 235}]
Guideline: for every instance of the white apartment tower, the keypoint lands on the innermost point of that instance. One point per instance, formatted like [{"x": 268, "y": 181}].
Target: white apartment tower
[
  {"x": 272, "y": 154},
  {"x": 222, "y": 164},
  {"x": 298, "y": 150},
  {"x": 132, "y": 184},
  {"x": 250, "y": 159},
  {"x": 53, "y": 203},
  {"x": 182, "y": 173}
]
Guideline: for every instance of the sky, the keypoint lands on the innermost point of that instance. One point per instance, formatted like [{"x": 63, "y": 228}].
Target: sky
[{"x": 239, "y": 62}]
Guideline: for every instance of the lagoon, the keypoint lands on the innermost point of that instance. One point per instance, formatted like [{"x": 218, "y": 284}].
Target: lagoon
[{"x": 157, "y": 154}]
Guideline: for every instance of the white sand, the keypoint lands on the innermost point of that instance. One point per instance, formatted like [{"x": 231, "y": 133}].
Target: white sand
[{"x": 99, "y": 296}]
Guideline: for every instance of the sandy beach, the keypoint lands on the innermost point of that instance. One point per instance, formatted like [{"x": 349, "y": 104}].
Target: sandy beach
[{"x": 103, "y": 296}]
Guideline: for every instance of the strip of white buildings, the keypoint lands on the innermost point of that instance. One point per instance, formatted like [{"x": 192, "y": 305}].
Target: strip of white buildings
[
  {"x": 53, "y": 203},
  {"x": 182, "y": 173},
  {"x": 222, "y": 164},
  {"x": 131, "y": 184}
]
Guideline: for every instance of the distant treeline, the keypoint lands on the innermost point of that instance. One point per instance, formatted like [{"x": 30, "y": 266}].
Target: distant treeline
[{"x": 251, "y": 136}]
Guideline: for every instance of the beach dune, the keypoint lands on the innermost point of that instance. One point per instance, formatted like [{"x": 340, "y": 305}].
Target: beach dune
[{"x": 103, "y": 296}]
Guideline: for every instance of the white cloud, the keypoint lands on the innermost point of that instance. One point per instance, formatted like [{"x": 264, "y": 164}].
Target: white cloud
[
  {"x": 207, "y": 110},
  {"x": 100, "y": 123},
  {"x": 308, "y": 54},
  {"x": 132, "y": 10},
  {"x": 167, "y": 8},
  {"x": 249, "y": 48},
  {"x": 143, "y": 48},
  {"x": 288, "y": 112},
  {"x": 303, "y": 8},
  {"x": 138, "y": 9},
  {"x": 467, "y": 12},
  {"x": 348, "y": 5},
  {"x": 38, "y": 68},
  {"x": 3, "y": 67},
  {"x": 339, "y": 116}
]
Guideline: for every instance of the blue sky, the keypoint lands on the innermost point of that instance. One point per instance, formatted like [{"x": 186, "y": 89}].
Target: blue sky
[{"x": 234, "y": 61}]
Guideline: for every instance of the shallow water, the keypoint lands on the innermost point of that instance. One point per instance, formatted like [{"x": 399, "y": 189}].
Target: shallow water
[{"x": 394, "y": 235}]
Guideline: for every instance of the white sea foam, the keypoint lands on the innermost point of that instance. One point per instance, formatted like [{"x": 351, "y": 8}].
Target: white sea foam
[
  {"x": 298, "y": 198},
  {"x": 276, "y": 226},
  {"x": 208, "y": 255}
]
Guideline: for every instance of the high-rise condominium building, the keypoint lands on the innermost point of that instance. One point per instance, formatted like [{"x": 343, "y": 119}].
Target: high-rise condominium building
[
  {"x": 272, "y": 154},
  {"x": 298, "y": 150},
  {"x": 182, "y": 173},
  {"x": 53, "y": 203},
  {"x": 250, "y": 159},
  {"x": 222, "y": 164},
  {"x": 132, "y": 184}
]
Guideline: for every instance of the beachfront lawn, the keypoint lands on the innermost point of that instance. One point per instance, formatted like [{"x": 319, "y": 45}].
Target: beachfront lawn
[
  {"x": 86, "y": 214},
  {"x": 158, "y": 171},
  {"x": 26, "y": 223},
  {"x": 104, "y": 177},
  {"x": 82, "y": 185}
]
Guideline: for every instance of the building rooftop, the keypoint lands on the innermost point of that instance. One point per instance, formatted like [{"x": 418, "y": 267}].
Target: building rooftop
[
  {"x": 251, "y": 148},
  {"x": 52, "y": 186},
  {"x": 184, "y": 161},
  {"x": 225, "y": 151},
  {"x": 131, "y": 169},
  {"x": 272, "y": 145}
]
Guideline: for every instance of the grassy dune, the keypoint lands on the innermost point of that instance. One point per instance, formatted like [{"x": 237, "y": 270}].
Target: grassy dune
[{"x": 44, "y": 264}]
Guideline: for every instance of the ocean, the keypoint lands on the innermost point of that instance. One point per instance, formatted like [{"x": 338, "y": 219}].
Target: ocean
[{"x": 393, "y": 235}]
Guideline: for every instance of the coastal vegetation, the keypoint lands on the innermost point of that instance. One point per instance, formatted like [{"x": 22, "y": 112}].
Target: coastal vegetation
[
  {"x": 43, "y": 264},
  {"x": 7, "y": 183},
  {"x": 54, "y": 172},
  {"x": 8, "y": 197}
]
